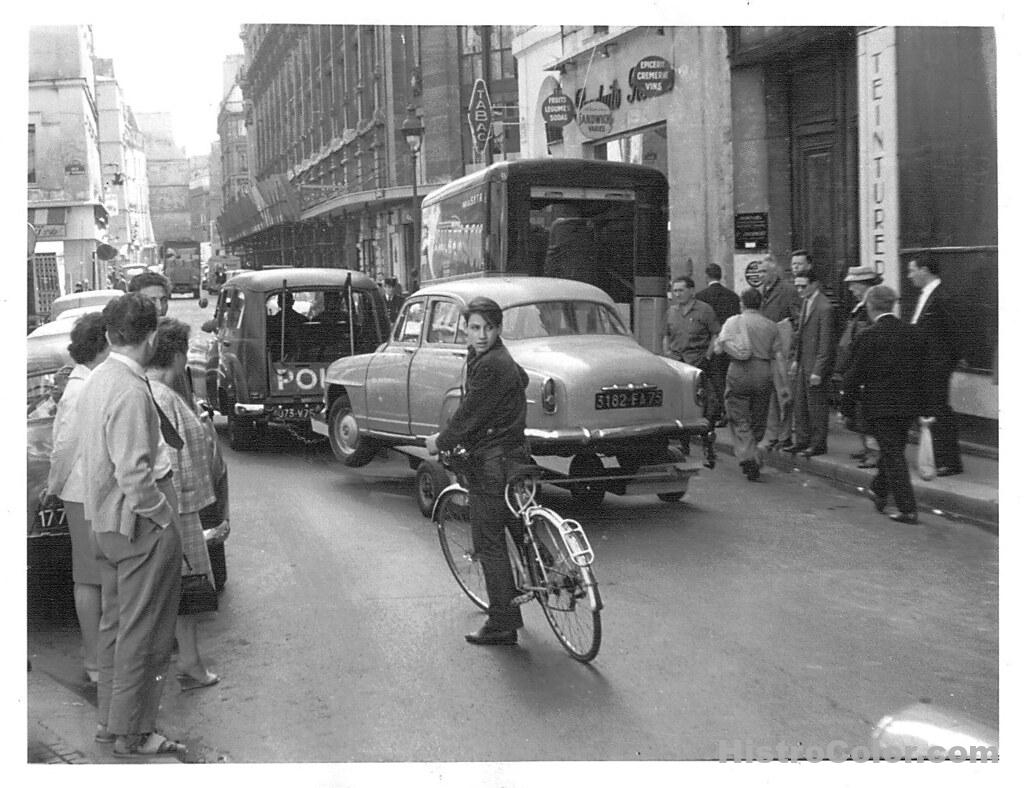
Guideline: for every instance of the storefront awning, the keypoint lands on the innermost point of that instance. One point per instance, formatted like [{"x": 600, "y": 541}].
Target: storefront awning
[{"x": 562, "y": 62}]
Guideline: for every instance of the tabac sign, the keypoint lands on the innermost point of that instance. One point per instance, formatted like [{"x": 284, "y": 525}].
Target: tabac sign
[{"x": 480, "y": 115}]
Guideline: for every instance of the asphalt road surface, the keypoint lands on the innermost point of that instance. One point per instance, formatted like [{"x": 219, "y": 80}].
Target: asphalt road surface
[{"x": 784, "y": 611}]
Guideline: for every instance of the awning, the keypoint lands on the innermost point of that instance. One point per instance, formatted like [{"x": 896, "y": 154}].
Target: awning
[{"x": 559, "y": 64}]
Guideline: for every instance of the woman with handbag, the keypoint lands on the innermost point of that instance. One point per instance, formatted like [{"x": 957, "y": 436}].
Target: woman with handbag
[
  {"x": 88, "y": 349},
  {"x": 194, "y": 483},
  {"x": 756, "y": 368}
]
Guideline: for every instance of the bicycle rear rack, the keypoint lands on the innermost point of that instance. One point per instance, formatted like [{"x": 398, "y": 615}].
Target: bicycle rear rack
[{"x": 576, "y": 542}]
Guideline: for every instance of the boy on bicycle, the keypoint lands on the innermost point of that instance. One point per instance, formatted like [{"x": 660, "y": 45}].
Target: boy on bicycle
[{"x": 489, "y": 424}]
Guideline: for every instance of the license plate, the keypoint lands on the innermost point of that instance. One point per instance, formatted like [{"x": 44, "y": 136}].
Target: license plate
[
  {"x": 628, "y": 398},
  {"x": 292, "y": 412}
]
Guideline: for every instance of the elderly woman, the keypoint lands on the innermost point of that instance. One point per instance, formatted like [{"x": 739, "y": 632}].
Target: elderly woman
[
  {"x": 193, "y": 482},
  {"x": 88, "y": 349}
]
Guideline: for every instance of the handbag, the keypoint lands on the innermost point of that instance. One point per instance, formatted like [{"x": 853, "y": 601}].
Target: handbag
[
  {"x": 197, "y": 593},
  {"x": 925, "y": 452}
]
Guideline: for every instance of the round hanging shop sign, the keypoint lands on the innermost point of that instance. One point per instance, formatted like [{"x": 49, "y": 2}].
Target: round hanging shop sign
[
  {"x": 594, "y": 119},
  {"x": 557, "y": 110},
  {"x": 653, "y": 76}
]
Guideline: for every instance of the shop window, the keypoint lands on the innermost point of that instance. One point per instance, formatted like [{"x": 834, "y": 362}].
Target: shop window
[{"x": 647, "y": 146}]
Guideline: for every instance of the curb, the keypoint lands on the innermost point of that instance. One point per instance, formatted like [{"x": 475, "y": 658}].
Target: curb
[{"x": 980, "y": 512}]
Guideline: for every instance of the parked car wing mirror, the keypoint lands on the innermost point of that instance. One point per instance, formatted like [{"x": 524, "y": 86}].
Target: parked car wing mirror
[{"x": 210, "y": 326}]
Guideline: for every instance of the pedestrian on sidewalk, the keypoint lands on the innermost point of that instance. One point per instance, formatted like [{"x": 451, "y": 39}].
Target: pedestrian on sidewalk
[
  {"x": 66, "y": 481},
  {"x": 887, "y": 367},
  {"x": 752, "y": 344},
  {"x": 780, "y": 304},
  {"x": 130, "y": 500},
  {"x": 937, "y": 315},
  {"x": 811, "y": 367},
  {"x": 725, "y": 304},
  {"x": 690, "y": 331},
  {"x": 858, "y": 279},
  {"x": 192, "y": 477}
]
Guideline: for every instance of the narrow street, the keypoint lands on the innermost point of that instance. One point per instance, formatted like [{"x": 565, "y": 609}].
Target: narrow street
[{"x": 782, "y": 611}]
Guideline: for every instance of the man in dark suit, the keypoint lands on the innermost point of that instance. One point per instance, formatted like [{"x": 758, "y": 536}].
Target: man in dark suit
[
  {"x": 887, "y": 365},
  {"x": 719, "y": 297},
  {"x": 780, "y": 304},
  {"x": 393, "y": 299},
  {"x": 725, "y": 304},
  {"x": 812, "y": 365},
  {"x": 936, "y": 315}
]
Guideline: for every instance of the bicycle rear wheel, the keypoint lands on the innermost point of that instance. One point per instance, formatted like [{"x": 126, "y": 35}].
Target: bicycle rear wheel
[
  {"x": 451, "y": 514},
  {"x": 568, "y": 592}
]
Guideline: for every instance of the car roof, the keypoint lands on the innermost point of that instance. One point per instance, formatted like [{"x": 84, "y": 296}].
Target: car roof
[
  {"x": 272, "y": 278},
  {"x": 86, "y": 298},
  {"x": 509, "y": 290}
]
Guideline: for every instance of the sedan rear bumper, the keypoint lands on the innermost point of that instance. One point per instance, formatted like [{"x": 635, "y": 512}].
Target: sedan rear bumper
[{"x": 581, "y": 437}]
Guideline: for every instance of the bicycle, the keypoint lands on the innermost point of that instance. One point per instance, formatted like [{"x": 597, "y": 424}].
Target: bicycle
[{"x": 554, "y": 565}]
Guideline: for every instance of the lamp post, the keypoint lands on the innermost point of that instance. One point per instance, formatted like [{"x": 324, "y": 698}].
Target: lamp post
[{"x": 412, "y": 130}]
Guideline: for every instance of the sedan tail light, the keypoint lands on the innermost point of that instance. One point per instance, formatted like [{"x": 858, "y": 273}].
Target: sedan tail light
[{"x": 547, "y": 396}]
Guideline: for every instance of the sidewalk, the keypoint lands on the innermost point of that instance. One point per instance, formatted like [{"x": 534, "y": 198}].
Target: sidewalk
[
  {"x": 972, "y": 495},
  {"x": 62, "y": 718}
]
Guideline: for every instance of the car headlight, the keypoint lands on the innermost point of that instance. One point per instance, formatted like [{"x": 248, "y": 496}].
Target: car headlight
[
  {"x": 699, "y": 391},
  {"x": 548, "y": 400}
]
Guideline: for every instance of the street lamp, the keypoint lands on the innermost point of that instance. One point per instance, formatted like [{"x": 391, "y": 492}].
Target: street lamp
[{"x": 412, "y": 130}]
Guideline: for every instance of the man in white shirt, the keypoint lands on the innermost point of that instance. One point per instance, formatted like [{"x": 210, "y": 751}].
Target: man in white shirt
[{"x": 937, "y": 316}]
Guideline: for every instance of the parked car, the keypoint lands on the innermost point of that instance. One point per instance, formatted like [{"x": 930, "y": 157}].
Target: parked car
[
  {"x": 595, "y": 395},
  {"x": 87, "y": 298},
  {"x": 273, "y": 334}
]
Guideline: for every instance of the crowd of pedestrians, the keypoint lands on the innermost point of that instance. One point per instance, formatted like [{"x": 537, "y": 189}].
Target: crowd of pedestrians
[
  {"x": 134, "y": 465},
  {"x": 773, "y": 358}
]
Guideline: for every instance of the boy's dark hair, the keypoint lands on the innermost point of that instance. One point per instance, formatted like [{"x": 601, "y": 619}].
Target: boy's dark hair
[
  {"x": 802, "y": 253},
  {"x": 486, "y": 308},
  {"x": 713, "y": 271},
  {"x": 808, "y": 274},
  {"x": 88, "y": 338},
  {"x": 129, "y": 319},
  {"x": 171, "y": 338},
  {"x": 149, "y": 279}
]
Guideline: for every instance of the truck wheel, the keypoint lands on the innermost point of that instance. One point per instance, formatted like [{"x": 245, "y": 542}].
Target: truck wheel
[
  {"x": 431, "y": 478},
  {"x": 586, "y": 494},
  {"x": 347, "y": 441}
]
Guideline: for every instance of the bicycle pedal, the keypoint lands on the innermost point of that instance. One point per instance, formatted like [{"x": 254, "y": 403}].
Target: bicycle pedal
[{"x": 522, "y": 599}]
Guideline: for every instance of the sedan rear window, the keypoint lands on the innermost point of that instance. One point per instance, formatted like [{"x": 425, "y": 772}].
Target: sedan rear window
[{"x": 560, "y": 318}]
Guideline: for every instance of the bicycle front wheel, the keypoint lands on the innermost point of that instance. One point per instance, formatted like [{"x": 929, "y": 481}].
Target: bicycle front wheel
[
  {"x": 568, "y": 593},
  {"x": 451, "y": 514}
]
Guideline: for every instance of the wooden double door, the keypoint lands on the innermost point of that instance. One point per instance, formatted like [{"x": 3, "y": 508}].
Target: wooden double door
[{"x": 823, "y": 136}]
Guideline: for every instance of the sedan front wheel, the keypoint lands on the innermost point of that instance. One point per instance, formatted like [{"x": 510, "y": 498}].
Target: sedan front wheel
[{"x": 347, "y": 441}]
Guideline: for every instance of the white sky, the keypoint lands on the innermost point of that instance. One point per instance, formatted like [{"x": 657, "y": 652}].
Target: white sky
[{"x": 177, "y": 69}]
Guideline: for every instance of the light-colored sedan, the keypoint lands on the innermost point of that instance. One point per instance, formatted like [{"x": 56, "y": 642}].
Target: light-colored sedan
[{"x": 595, "y": 396}]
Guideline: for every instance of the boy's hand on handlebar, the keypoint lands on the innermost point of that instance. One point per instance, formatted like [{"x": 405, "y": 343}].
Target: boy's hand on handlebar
[{"x": 432, "y": 443}]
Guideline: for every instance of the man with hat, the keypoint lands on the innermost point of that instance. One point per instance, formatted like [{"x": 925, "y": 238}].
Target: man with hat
[
  {"x": 393, "y": 298},
  {"x": 859, "y": 280}
]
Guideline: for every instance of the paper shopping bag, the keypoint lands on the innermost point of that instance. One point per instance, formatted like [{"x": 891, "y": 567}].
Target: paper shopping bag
[{"x": 925, "y": 453}]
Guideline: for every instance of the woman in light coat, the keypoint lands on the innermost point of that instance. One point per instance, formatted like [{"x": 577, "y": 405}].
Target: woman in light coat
[{"x": 88, "y": 349}]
